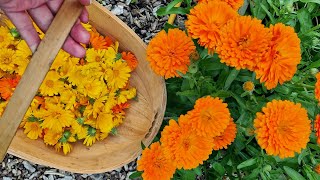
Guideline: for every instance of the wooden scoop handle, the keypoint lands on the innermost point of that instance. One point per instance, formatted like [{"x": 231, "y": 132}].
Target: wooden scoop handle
[{"x": 36, "y": 72}]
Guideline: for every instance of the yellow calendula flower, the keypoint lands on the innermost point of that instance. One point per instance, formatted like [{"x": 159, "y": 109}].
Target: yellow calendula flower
[
  {"x": 51, "y": 137},
  {"x": 115, "y": 46},
  {"x": 111, "y": 102},
  {"x": 93, "y": 55},
  {"x": 68, "y": 66},
  {"x": 98, "y": 105},
  {"x": 79, "y": 97},
  {"x": 66, "y": 147},
  {"x": 79, "y": 129},
  {"x": 92, "y": 89},
  {"x": 51, "y": 84},
  {"x": 92, "y": 70},
  {"x": 118, "y": 76},
  {"x": 9, "y": 24},
  {"x": 60, "y": 60},
  {"x": 3, "y": 105},
  {"x": 24, "y": 55},
  {"x": 75, "y": 77},
  {"x": 33, "y": 130},
  {"x": 110, "y": 56},
  {"x": 91, "y": 137},
  {"x": 124, "y": 96},
  {"x": 23, "y": 50},
  {"x": 87, "y": 26},
  {"x": 89, "y": 120},
  {"x": 104, "y": 122},
  {"x": 118, "y": 119},
  {"x": 103, "y": 135},
  {"x": 7, "y": 59},
  {"x": 41, "y": 34},
  {"x": 56, "y": 117},
  {"x": 5, "y": 37},
  {"x": 68, "y": 97}
]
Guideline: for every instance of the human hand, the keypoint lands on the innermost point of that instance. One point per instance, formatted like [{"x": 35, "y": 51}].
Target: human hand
[{"x": 42, "y": 12}]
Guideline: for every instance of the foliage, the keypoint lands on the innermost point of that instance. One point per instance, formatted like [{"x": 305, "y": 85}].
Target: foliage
[{"x": 207, "y": 76}]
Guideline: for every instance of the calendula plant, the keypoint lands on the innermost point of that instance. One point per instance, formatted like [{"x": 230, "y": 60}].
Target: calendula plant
[
  {"x": 80, "y": 99},
  {"x": 243, "y": 91}
]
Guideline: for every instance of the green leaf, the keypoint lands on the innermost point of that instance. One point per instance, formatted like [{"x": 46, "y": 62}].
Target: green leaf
[
  {"x": 305, "y": 20},
  {"x": 257, "y": 10},
  {"x": 32, "y": 118},
  {"x": 136, "y": 174},
  {"x": 188, "y": 175},
  {"x": 175, "y": 10},
  {"x": 293, "y": 174},
  {"x": 239, "y": 100},
  {"x": 15, "y": 33},
  {"x": 313, "y": 1},
  {"x": 232, "y": 76},
  {"x": 198, "y": 171},
  {"x": 114, "y": 131},
  {"x": 169, "y": 6},
  {"x": 187, "y": 93},
  {"x": 254, "y": 174},
  {"x": 282, "y": 89},
  {"x": 303, "y": 154},
  {"x": 218, "y": 168},
  {"x": 265, "y": 8},
  {"x": 247, "y": 163},
  {"x": 143, "y": 146}
]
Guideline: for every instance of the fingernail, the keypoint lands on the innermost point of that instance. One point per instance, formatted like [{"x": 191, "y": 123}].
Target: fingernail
[{"x": 90, "y": 2}]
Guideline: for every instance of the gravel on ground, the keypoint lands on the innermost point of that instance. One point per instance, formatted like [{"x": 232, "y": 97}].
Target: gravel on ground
[{"x": 139, "y": 16}]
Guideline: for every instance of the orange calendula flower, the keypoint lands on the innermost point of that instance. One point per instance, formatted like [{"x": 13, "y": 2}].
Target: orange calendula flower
[
  {"x": 206, "y": 20},
  {"x": 317, "y": 168},
  {"x": 131, "y": 60},
  {"x": 244, "y": 41},
  {"x": 226, "y": 138},
  {"x": 210, "y": 116},
  {"x": 184, "y": 147},
  {"x": 317, "y": 128},
  {"x": 282, "y": 128},
  {"x": 119, "y": 108},
  {"x": 7, "y": 86},
  {"x": 97, "y": 41},
  {"x": 279, "y": 64},
  {"x": 235, "y": 4},
  {"x": 154, "y": 164},
  {"x": 169, "y": 53},
  {"x": 317, "y": 87}
]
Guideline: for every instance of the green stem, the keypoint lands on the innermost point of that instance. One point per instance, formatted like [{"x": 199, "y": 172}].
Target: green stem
[{"x": 305, "y": 85}]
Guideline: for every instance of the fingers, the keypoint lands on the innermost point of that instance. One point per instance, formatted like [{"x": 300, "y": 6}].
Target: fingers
[
  {"x": 42, "y": 16},
  {"x": 74, "y": 48},
  {"x": 55, "y": 5},
  {"x": 84, "y": 17},
  {"x": 13, "y": 6},
  {"x": 24, "y": 25},
  {"x": 85, "y": 2},
  {"x": 80, "y": 34}
]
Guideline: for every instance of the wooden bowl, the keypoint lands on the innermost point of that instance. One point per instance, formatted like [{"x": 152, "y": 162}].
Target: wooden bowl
[{"x": 142, "y": 122}]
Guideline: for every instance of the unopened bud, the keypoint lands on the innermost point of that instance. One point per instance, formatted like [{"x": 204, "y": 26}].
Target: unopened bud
[{"x": 248, "y": 86}]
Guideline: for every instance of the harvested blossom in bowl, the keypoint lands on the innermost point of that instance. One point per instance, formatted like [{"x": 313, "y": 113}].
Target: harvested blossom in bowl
[{"x": 80, "y": 99}]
